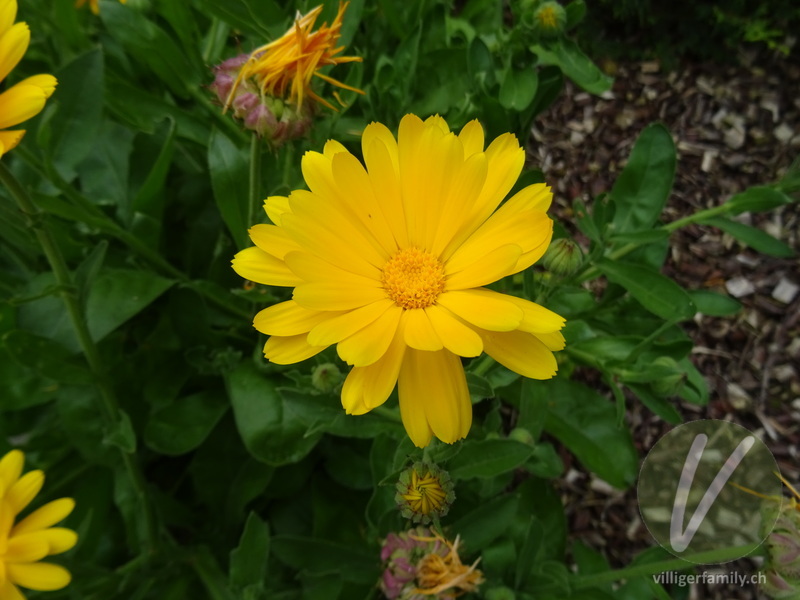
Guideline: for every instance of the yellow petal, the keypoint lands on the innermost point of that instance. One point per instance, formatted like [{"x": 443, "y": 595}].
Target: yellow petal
[
  {"x": 288, "y": 318},
  {"x": 533, "y": 197},
  {"x": 489, "y": 311},
  {"x": 528, "y": 230},
  {"x": 333, "y": 147},
  {"x": 24, "y": 490},
  {"x": 272, "y": 240},
  {"x": 26, "y": 548},
  {"x": 43, "y": 577},
  {"x": 290, "y": 349},
  {"x": 419, "y": 331},
  {"x": 438, "y": 122},
  {"x": 521, "y": 352},
  {"x": 366, "y": 346},
  {"x": 276, "y": 207},
  {"x": 11, "y": 468},
  {"x": 19, "y": 104},
  {"x": 13, "y": 44},
  {"x": 553, "y": 341},
  {"x": 434, "y": 397},
  {"x": 256, "y": 265},
  {"x": 310, "y": 267},
  {"x": 471, "y": 137},
  {"x": 380, "y": 133},
  {"x": 337, "y": 328},
  {"x": 47, "y": 83},
  {"x": 455, "y": 335},
  {"x": 60, "y": 539},
  {"x": 331, "y": 295},
  {"x": 535, "y": 318},
  {"x": 370, "y": 386},
  {"x": 8, "y": 12},
  {"x": 10, "y": 139},
  {"x": 354, "y": 188},
  {"x": 46, "y": 516},
  {"x": 383, "y": 170},
  {"x": 8, "y": 591},
  {"x": 493, "y": 266}
]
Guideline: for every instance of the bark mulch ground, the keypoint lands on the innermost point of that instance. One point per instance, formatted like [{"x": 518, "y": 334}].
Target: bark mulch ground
[{"x": 734, "y": 127}]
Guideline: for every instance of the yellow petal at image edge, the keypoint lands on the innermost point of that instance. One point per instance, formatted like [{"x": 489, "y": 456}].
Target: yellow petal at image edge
[
  {"x": 25, "y": 490},
  {"x": 8, "y": 591},
  {"x": 289, "y": 318},
  {"x": 256, "y": 265},
  {"x": 289, "y": 350},
  {"x": 521, "y": 352},
  {"x": 11, "y": 468},
  {"x": 13, "y": 45},
  {"x": 26, "y": 549},
  {"x": 10, "y": 139}
]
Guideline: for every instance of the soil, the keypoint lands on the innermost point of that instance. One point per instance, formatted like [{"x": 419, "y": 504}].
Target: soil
[{"x": 734, "y": 127}]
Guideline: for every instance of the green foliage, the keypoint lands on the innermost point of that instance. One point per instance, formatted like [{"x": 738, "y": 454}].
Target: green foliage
[{"x": 199, "y": 469}]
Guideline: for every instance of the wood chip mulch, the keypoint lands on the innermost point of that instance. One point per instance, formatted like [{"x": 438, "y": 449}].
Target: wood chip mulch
[{"x": 734, "y": 127}]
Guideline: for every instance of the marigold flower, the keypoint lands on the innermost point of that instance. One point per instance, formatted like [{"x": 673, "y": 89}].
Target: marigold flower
[
  {"x": 94, "y": 5},
  {"x": 284, "y": 68},
  {"x": 421, "y": 564},
  {"x": 25, "y": 99},
  {"x": 424, "y": 492},
  {"x": 24, "y": 544},
  {"x": 389, "y": 263}
]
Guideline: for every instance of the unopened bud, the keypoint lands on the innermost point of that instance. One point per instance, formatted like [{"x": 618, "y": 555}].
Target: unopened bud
[
  {"x": 563, "y": 257},
  {"x": 326, "y": 377},
  {"x": 549, "y": 19},
  {"x": 424, "y": 492}
]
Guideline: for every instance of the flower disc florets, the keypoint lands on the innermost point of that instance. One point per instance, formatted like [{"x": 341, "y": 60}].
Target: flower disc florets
[{"x": 424, "y": 492}]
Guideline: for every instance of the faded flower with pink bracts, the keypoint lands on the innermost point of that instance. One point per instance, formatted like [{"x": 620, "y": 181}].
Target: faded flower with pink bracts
[{"x": 421, "y": 564}]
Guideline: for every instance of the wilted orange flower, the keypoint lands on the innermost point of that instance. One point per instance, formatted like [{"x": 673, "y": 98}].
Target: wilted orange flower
[{"x": 284, "y": 68}]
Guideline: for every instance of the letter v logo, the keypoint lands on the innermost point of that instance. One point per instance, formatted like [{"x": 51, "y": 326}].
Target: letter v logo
[{"x": 679, "y": 539}]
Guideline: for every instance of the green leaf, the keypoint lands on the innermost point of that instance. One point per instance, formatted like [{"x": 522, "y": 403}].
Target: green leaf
[
  {"x": 714, "y": 304},
  {"x": 249, "y": 558},
  {"x": 185, "y": 424},
  {"x": 119, "y": 294},
  {"x": 46, "y": 357},
  {"x": 270, "y": 432},
  {"x": 659, "y": 406},
  {"x": 488, "y": 458},
  {"x": 640, "y": 237},
  {"x": 641, "y": 190},
  {"x": 264, "y": 18},
  {"x": 576, "y": 10},
  {"x": 526, "y": 559},
  {"x": 757, "y": 199},
  {"x": 565, "y": 54},
  {"x": 321, "y": 556},
  {"x": 585, "y": 422},
  {"x": 755, "y": 238},
  {"x": 657, "y": 293},
  {"x": 145, "y": 200},
  {"x": 518, "y": 88},
  {"x": 228, "y": 167},
  {"x": 72, "y": 131},
  {"x": 488, "y": 522},
  {"x": 121, "y": 434}
]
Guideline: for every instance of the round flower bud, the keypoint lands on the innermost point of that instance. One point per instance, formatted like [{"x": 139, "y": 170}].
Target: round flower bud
[
  {"x": 522, "y": 435},
  {"x": 563, "y": 257},
  {"x": 326, "y": 377},
  {"x": 549, "y": 19},
  {"x": 424, "y": 492},
  {"x": 671, "y": 383}
]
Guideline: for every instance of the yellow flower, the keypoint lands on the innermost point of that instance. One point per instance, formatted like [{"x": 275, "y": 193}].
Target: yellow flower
[
  {"x": 389, "y": 263},
  {"x": 23, "y": 545},
  {"x": 94, "y": 5},
  {"x": 26, "y": 99},
  {"x": 283, "y": 69}
]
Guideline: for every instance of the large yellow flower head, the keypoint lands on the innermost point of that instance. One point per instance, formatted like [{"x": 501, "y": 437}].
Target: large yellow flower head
[
  {"x": 389, "y": 263},
  {"x": 26, "y": 99},
  {"x": 24, "y": 544},
  {"x": 284, "y": 69}
]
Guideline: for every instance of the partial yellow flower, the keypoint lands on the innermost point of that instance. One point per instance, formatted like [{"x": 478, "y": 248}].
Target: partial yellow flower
[
  {"x": 284, "y": 69},
  {"x": 25, "y": 99},
  {"x": 94, "y": 5},
  {"x": 24, "y": 544},
  {"x": 388, "y": 262}
]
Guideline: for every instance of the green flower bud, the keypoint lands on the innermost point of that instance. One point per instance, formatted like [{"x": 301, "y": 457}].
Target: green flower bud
[
  {"x": 522, "y": 435},
  {"x": 424, "y": 492},
  {"x": 671, "y": 383},
  {"x": 563, "y": 257},
  {"x": 326, "y": 377},
  {"x": 500, "y": 593},
  {"x": 548, "y": 19}
]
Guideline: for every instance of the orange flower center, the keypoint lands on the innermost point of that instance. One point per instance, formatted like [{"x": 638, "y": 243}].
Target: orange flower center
[{"x": 413, "y": 278}]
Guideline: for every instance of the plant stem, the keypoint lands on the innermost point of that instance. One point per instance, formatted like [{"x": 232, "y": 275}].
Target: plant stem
[
  {"x": 108, "y": 404},
  {"x": 483, "y": 365},
  {"x": 676, "y": 564},
  {"x": 255, "y": 179}
]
